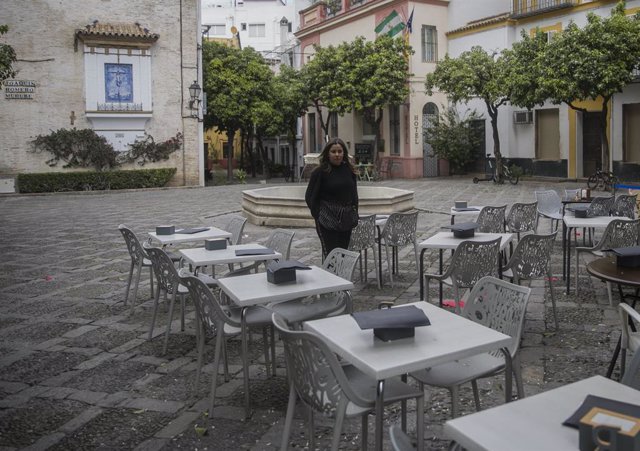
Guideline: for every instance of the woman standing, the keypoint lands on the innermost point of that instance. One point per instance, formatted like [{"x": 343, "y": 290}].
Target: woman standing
[{"x": 332, "y": 197}]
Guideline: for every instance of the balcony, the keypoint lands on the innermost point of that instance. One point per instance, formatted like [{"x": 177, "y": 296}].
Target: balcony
[{"x": 525, "y": 8}]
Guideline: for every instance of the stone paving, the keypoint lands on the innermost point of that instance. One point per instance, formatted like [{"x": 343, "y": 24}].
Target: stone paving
[{"x": 76, "y": 369}]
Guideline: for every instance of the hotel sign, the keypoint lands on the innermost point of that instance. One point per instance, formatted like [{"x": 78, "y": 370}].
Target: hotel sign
[{"x": 19, "y": 89}]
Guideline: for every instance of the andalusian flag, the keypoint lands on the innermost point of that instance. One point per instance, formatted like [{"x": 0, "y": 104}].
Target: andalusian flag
[{"x": 391, "y": 25}]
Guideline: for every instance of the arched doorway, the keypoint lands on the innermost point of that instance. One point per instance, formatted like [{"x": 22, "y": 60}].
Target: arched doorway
[{"x": 430, "y": 161}]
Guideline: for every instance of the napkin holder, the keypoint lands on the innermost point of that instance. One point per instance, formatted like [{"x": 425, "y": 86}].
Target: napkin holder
[
  {"x": 597, "y": 431},
  {"x": 281, "y": 275},
  {"x": 461, "y": 204},
  {"x": 392, "y": 324},
  {"x": 628, "y": 257},
  {"x": 581, "y": 212},
  {"x": 165, "y": 230},
  {"x": 463, "y": 230},
  {"x": 215, "y": 244}
]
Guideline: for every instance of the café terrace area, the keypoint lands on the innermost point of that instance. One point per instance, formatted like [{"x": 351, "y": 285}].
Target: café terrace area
[{"x": 77, "y": 370}]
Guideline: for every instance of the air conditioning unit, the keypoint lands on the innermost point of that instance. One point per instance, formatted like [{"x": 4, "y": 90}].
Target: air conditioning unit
[{"x": 523, "y": 117}]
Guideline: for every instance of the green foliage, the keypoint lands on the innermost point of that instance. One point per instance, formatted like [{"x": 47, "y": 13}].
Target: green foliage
[
  {"x": 516, "y": 170},
  {"x": 240, "y": 175},
  {"x": 453, "y": 138},
  {"x": 90, "y": 180},
  {"x": 147, "y": 150},
  {"x": 82, "y": 148},
  {"x": 7, "y": 58},
  {"x": 523, "y": 63},
  {"x": 475, "y": 73}
]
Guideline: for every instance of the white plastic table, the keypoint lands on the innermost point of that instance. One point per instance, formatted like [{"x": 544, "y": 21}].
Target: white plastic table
[
  {"x": 449, "y": 337},
  {"x": 211, "y": 233},
  {"x": 446, "y": 240},
  {"x": 200, "y": 256},
  {"x": 471, "y": 213},
  {"x": 534, "y": 423}
]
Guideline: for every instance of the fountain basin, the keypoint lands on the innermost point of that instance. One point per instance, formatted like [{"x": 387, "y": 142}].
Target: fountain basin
[{"x": 284, "y": 206}]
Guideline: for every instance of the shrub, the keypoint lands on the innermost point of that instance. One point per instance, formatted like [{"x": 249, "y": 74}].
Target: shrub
[
  {"x": 147, "y": 149},
  {"x": 241, "y": 175},
  {"x": 77, "y": 148},
  {"x": 91, "y": 180}
]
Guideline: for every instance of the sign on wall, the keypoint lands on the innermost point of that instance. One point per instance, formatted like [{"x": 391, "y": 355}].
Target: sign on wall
[
  {"x": 19, "y": 89},
  {"x": 118, "y": 82}
]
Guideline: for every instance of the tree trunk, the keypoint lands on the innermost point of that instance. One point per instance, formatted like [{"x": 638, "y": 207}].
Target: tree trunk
[
  {"x": 324, "y": 124},
  {"x": 265, "y": 159},
  {"x": 493, "y": 114},
  {"x": 230, "y": 136},
  {"x": 604, "y": 139},
  {"x": 293, "y": 143}
]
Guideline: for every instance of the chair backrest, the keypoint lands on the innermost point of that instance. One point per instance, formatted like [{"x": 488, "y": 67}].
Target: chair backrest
[
  {"x": 211, "y": 312},
  {"x": 400, "y": 229},
  {"x": 280, "y": 241},
  {"x": 363, "y": 236},
  {"x": 399, "y": 440},
  {"x": 532, "y": 256},
  {"x": 600, "y": 206},
  {"x": 499, "y": 305},
  {"x": 522, "y": 217},
  {"x": 473, "y": 260},
  {"x": 341, "y": 262},
  {"x": 619, "y": 233},
  {"x": 136, "y": 251},
  {"x": 491, "y": 219},
  {"x": 235, "y": 226},
  {"x": 571, "y": 193},
  {"x": 625, "y": 205},
  {"x": 631, "y": 377},
  {"x": 314, "y": 370},
  {"x": 548, "y": 201},
  {"x": 164, "y": 269}
]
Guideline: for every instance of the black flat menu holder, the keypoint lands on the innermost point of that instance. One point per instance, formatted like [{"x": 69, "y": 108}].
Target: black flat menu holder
[
  {"x": 592, "y": 401},
  {"x": 284, "y": 271},
  {"x": 627, "y": 257},
  {"x": 392, "y": 323},
  {"x": 192, "y": 230},
  {"x": 463, "y": 229},
  {"x": 257, "y": 251},
  {"x": 465, "y": 209},
  {"x": 580, "y": 212}
]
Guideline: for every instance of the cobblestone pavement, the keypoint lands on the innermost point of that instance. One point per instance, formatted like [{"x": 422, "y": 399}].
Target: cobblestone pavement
[{"x": 76, "y": 370}]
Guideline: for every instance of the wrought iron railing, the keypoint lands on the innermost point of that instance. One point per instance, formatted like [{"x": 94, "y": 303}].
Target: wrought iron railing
[
  {"x": 119, "y": 106},
  {"x": 523, "y": 8}
]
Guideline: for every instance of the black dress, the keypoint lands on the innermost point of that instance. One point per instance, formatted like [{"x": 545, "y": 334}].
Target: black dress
[{"x": 337, "y": 185}]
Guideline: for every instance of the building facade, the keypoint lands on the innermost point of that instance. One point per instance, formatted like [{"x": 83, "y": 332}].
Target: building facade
[
  {"x": 552, "y": 140},
  {"x": 122, "y": 69}
]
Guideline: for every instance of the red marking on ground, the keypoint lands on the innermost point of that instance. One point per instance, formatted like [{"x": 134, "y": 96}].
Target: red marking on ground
[{"x": 451, "y": 303}]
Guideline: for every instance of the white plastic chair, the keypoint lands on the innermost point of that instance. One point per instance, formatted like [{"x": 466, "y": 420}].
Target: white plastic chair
[
  {"x": 550, "y": 206},
  {"x": 363, "y": 238},
  {"x": 501, "y": 306},
  {"x": 629, "y": 340}
]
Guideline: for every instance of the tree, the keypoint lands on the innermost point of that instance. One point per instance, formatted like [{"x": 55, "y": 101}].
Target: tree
[
  {"x": 475, "y": 73},
  {"x": 373, "y": 76},
  {"x": 236, "y": 82},
  {"x": 593, "y": 62},
  {"x": 7, "y": 58},
  {"x": 453, "y": 138}
]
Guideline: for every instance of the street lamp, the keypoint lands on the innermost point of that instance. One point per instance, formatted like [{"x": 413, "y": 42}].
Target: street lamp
[{"x": 194, "y": 93}]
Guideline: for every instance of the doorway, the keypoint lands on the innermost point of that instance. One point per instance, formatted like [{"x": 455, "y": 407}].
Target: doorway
[
  {"x": 591, "y": 145},
  {"x": 430, "y": 161}
]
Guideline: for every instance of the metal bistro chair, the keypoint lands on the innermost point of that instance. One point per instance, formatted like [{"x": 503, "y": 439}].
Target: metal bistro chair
[
  {"x": 625, "y": 205},
  {"x": 340, "y": 262},
  {"x": 619, "y": 233},
  {"x": 399, "y": 440},
  {"x": 139, "y": 260},
  {"x": 491, "y": 219},
  {"x": 471, "y": 261},
  {"x": 333, "y": 389},
  {"x": 629, "y": 339},
  {"x": 235, "y": 226},
  {"x": 225, "y": 321},
  {"x": 363, "y": 238},
  {"x": 549, "y": 206},
  {"x": 169, "y": 282},
  {"x": 501, "y": 306},
  {"x": 532, "y": 260},
  {"x": 280, "y": 241},
  {"x": 399, "y": 230},
  {"x": 522, "y": 218}
]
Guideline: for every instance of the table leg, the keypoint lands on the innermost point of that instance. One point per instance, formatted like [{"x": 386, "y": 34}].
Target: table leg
[
  {"x": 508, "y": 375},
  {"x": 564, "y": 250},
  {"x": 245, "y": 362},
  {"x": 440, "y": 272},
  {"x": 453, "y": 219},
  {"x": 403, "y": 408},
  {"x": 568, "y": 272},
  {"x": 379, "y": 415},
  {"x": 379, "y": 256},
  {"x": 421, "y": 274}
]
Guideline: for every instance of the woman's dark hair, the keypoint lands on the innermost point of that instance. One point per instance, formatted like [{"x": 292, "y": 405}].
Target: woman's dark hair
[{"x": 324, "y": 155}]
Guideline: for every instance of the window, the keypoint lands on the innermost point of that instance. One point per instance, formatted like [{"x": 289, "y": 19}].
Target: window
[
  {"x": 311, "y": 117},
  {"x": 429, "y": 44},
  {"x": 367, "y": 128},
  {"x": 394, "y": 128},
  {"x": 289, "y": 27},
  {"x": 333, "y": 125},
  {"x": 243, "y": 26},
  {"x": 217, "y": 29},
  {"x": 257, "y": 30},
  {"x": 631, "y": 132}
]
